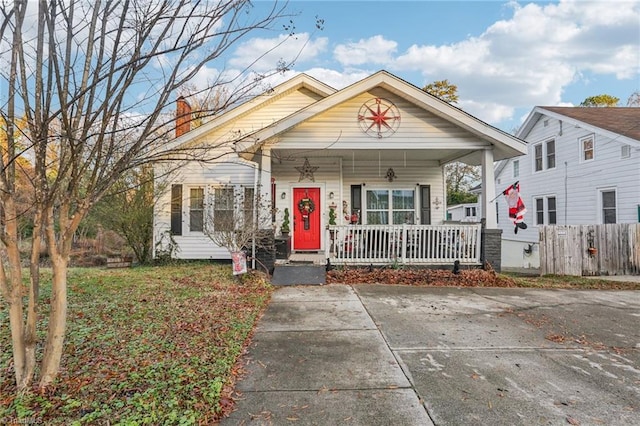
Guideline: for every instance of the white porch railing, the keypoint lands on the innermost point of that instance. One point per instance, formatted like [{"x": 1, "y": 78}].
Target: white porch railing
[{"x": 405, "y": 244}]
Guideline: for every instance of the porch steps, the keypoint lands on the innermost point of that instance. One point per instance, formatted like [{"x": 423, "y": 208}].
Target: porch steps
[{"x": 300, "y": 269}]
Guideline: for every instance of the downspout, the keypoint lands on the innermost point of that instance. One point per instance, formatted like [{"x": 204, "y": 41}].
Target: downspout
[
  {"x": 256, "y": 174},
  {"x": 566, "y": 202}
]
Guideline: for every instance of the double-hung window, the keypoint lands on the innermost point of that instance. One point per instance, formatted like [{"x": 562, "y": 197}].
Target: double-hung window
[
  {"x": 196, "y": 209},
  {"x": 544, "y": 155},
  {"x": 551, "y": 154},
  {"x": 608, "y": 203},
  {"x": 385, "y": 206},
  {"x": 223, "y": 205},
  {"x": 546, "y": 211},
  {"x": 537, "y": 149},
  {"x": 248, "y": 206}
]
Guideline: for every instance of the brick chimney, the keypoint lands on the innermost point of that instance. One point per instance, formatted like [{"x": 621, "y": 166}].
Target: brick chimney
[{"x": 183, "y": 117}]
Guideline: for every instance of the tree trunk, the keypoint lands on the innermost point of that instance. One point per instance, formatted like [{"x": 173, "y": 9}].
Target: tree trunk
[
  {"x": 57, "y": 321},
  {"x": 30, "y": 336},
  {"x": 12, "y": 289},
  {"x": 17, "y": 340},
  {"x": 59, "y": 249}
]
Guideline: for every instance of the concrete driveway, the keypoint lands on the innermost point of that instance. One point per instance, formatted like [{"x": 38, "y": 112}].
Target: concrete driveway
[{"x": 397, "y": 355}]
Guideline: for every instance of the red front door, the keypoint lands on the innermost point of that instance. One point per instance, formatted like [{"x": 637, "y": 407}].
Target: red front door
[{"x": 306, "y": 218}]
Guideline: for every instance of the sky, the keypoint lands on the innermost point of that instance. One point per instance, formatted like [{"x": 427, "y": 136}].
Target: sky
[{"x": 505, "y": 57}]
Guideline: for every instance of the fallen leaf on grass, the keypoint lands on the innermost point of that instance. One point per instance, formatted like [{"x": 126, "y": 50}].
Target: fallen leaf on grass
[{"x": 572, "y": 421}]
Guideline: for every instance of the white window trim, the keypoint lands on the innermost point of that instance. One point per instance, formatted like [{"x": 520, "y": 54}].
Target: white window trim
[
  {"x": 186, "y": 208},
  {"x": 365, "y": 210},
  {"x": 543, "y": 144},
  {"x": 516, "y": 168},
  {"x": 546, "y": 154},
  {"x": 545, "y": 209},
  {"x": 600, "y": 206},
  {"x": 209, "y": 192},
  {"x": 239, "y": 192},
  {"x": 581, "y": 147},
  {"x": 472, "y": 210}
]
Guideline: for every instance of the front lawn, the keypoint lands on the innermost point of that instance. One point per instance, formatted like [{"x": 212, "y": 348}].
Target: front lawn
[
  {"x": 149, "y": 345},
  {"x": 159, "y": 345}
]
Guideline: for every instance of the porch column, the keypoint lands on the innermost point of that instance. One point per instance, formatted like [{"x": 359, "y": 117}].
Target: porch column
[
  {"x": 488, "y": 190},
  {"x": 265, "y": 187}
]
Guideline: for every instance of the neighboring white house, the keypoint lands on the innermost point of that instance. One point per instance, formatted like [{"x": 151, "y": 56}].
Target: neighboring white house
[
  {"x": 582, "y": 167},
  {"x": 375, "y": 149},
  {"x": 468, "y": 212}
]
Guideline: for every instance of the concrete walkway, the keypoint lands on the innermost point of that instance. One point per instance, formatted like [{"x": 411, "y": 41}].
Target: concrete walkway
[{"x": 396, "y": 355}]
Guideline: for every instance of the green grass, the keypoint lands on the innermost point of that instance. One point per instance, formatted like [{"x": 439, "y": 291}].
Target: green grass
[
  {"x": 571, "y": 282},
  {"x": 149, "y": 345}
]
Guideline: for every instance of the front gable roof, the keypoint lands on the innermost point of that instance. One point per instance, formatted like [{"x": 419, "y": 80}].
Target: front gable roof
[
  {"x": 324, "y": 98},
  {"x": 504, "y": 145},
  {"x": 300, "y": 81},
  {"x": 620, "y": 123}
]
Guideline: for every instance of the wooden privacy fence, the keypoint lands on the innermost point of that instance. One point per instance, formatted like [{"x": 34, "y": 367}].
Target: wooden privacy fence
[{"x": 612, "y": 249}]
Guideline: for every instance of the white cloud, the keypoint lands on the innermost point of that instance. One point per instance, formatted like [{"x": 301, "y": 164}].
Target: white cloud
[
  {"x": 525, "y": 60},
  {"x": 263, "y": 54},
  {"x": 336, "y": 79},
  {"x": 374, "y": 50},
  {"x": 490, "y": 112}
]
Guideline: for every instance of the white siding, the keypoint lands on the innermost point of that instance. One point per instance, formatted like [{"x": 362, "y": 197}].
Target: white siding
[
  {"x": 575, "y": 183},
  {"x": 337, "y": 175},
  {"x": 338, "y": 128},
  {"x": 258, "y": 118},
  {"x": 459, "y": 212},
  {"x": 372, "y": 176},
  {"x": 196, "y": 245}
]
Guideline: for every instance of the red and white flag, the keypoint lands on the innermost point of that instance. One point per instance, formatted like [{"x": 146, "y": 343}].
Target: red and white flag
[{"x": 516, "y": 206}]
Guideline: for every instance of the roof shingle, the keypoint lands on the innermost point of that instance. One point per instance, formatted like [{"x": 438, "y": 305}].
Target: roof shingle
[{"x": 622, "y": 120}]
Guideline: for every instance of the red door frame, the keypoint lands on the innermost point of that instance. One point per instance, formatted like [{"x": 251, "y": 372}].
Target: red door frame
[{"x": 307, "y": 239}]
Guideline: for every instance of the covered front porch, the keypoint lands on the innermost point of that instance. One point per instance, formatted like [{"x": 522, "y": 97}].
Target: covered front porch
[{"x": 374, "y": 207}]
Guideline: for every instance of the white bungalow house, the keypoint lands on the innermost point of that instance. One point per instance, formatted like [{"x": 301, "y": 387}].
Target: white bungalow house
[
  {"x": 582, "y": 167},
  {"x": 372, "y": 152},
  {"x": 467, "y": 212}
]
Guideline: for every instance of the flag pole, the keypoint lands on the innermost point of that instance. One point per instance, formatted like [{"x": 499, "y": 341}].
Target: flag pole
[{"x": 502, "y": 193}]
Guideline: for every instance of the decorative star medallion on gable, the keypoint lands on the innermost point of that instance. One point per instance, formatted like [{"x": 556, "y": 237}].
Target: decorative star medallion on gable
[
  {"x": 379, "y": 118},
  {"x": 306, "y": 171}
]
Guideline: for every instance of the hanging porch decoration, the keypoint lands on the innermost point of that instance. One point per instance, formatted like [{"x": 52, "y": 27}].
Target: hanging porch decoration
[
  {"x": 516, "y": 206},
  {"x": 306, "y": 171},
  {"x": 306, "y": 206}
]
